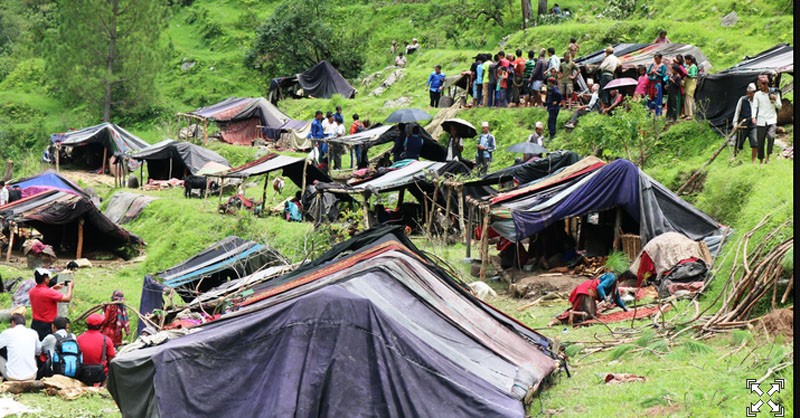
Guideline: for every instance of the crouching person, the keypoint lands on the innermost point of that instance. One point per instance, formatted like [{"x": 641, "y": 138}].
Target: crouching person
[
  {"x": 97, "y": 350},
  {"x": 584, "y": 299},
  {"x": 22, "y": 346}
]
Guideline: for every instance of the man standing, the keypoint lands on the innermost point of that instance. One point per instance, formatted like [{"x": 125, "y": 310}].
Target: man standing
[
  {"x": 399, "y": 141},
  {"x": 554, "y": 98},
  {"x": 316, "y": 135},
  {"x": 44, "y": 302},
  {"x": 329, "y": 129},
  {"x": 537, "y": 78},
  {"x": 607, "y": 68},
  {"x": 765, "y": 116},
  {"x": 526, "y": 77},
  {"x": 594, "y": 104},
  {"x": 743, "y": 118},
  {"x": 97, "y": 350},
  {"x": 455, "y": 145},
  {"x": 492, "y": 74},
  {"x": 412, "y": 145},
  {"x": 435, "y": 85},
  {"x": 337, "y": 149},
  {"x": 566, "y": 78},
  {"x": 487, "y": 60},
  {"x": 3, "y": 193},
  {"x": 554, "y": 63},
  {"x": 486, "y": 146},
  {"x": 356, "y": 127},
  {"x": 22, "y": 346},
  {"x": 476, "y": 71},
  {"x": 537, "y": 137}
]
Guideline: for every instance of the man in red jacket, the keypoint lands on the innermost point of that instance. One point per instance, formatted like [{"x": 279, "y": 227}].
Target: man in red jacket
[
  {"x": 44, "y": 302},
  {"x": 97, "y": 350}
]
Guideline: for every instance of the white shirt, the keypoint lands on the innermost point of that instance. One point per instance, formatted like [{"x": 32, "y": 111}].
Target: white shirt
[
  {"x": 49, "y": 342},
  {"x": 400, "y": 61},
  {"x": 593, "y": 101},
  {"x": 328, "y": 128},
  {"x": 535, "y": 138},
  {"x": 451, "y": 155},
  {"x": 764, "y": 110},
  {"x": 553, "y": 63},
  {"x": 610, "y": 63},
  {"x": 339, "y": 129},
  {"x": 3, "y": 196},
  {"x": 23, "y": 345}
]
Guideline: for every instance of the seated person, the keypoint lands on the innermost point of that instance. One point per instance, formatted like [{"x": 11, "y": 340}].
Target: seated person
[
  {"x": 22, "y": 346},
  {"x": 585, "y": 296},
  {"x": 291, "y": 212},
  {"x": 594, "y": 104},
  {"x": 98, "y": 351},
  {"x": 616, "y": 100},
  {"x": 413, "y": 47},
  {"x": 400, "y": 60}
]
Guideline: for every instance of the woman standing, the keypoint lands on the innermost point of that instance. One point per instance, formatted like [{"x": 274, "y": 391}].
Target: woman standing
[
  {"x": 690, "y": 84},
  {"x": 674, "y": 92},
  {"x": 657, "y": 74},
  {"x": 116, "y": 319}
]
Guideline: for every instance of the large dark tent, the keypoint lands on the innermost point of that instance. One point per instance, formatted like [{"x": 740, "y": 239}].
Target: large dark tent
[
  {"x": 529, "y": 171},
  {"x": 321, "y": 81},
  {"x": 295, "y": 168},
  {"x": 88, "y": 145},
  {"x": 242, "y": 120},
  {"x": 171, "y": 159},
  {"x": 633, "y": 55},
  {"x": 371, "y": 328},
  {"x": 719, "y": 93}
]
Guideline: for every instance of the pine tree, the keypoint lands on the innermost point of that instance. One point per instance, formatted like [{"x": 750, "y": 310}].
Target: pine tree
[{"x": 105, "y": 53}]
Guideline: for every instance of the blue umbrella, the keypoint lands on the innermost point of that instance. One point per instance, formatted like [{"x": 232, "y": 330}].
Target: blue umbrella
[{"x": 407, "y": 116}]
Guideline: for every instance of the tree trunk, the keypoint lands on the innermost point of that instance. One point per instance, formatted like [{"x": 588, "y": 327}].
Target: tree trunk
[
  {"x": 112, "y": 44},
  {"x": 542, "y": 7},
  {"x": 527, "y": 13}
]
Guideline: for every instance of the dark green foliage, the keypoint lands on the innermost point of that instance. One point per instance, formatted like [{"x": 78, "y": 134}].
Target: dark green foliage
[{"x": 299, "y": 35}]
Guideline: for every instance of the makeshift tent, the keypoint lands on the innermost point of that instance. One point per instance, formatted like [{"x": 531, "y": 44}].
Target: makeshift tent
[
  {"x": 321, "y": 81},
  {"x": 241, "y": 120},
  {"x": 529, "y": 171},
  {"x": 67, "y": 221},
  {"x": 633, "y": 55},
  {"x": 124, "y": 207},
  {"x": 88, "y": 145},
  {"x": 49, "y": 180},
  {"x": 230, "y": 258},
  {"x": 720, "y": 92},
  {"x": 381, "y": 134},
  {"x": 171, "y": 159},
  {"x": 371, "y": 328},
  {"x": 619, "y": 184},
  {"x": 296, "y": 169}
]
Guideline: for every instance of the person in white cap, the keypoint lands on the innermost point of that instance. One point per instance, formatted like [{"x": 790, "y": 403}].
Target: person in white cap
[
  {"x": 537, "y": 137},
  {"x": 486, "y": 146},
  {"x": 413, "y": 47},
  {"x": 743, "y": 121},
  {"x": 44, "y": 302},
  {"x": 765, "y": 116}
]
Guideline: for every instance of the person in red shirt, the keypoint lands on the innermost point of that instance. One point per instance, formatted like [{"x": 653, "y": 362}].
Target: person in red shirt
[
  {"x": 44, "y": 302},
  {"x": 97, "y": 350}
]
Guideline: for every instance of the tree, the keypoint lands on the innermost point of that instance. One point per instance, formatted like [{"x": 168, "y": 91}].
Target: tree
[
  {"x": 105, "y": 53},
  {"x": 527, "y": 13},
  {"x": 298, "y": 36},
  {"x": 542, "y": 7}
]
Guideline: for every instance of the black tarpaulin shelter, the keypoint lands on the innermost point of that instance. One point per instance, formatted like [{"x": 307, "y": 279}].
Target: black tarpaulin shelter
[
  {"x": 529, "y": 171},
  {"x": 87, "y": 145},
  {"x": 171, "y": 159},
  {"x": 242, "y": 120},
  {"x": 431, "y": 149},
  {"x": 294, "y": 168},
  {"x": 62, "y": 217},
  {"x": 371, "y": 328},
  {"x": 720, "y": 92},
  {"x": 321, "y": 81}
]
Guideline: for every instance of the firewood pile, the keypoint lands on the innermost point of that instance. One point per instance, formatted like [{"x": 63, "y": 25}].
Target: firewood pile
[{"x": 589, "y": 266}]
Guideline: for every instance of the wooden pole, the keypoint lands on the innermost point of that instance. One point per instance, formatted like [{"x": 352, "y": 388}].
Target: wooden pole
[
  {"x": 205, "y": 131},
  {"x": 264, "y": 192},
  {"x": 401, "y": 197},
  {"x": 485, "y": 244},
  {"x": 468, "y": 232},
  {"x": 141, "y": 175},
  {"x": 170, "y": 169},
  {"x": 11, "y": 226},
  {"x": 79, "y": 251},
  {"x": 305, "y": 178},
  {"x": 433, "y": 206},
  {"x": 105, "y": 158},
  {"x": 447, "y": 212},
  {"x": 365, "y": 206},
  {"x": 58, "y": 157},
  {"x": 617, "y": 228},
  {"x": 460, "y": 204}
]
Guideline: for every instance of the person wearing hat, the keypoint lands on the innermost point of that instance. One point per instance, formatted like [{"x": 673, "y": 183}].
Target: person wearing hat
[
  {"x": 486, "y": 146},
  {"x": 97, "y": 350},
  {"x": 765, "y": 116},
  {"x": 607, "y": 69},
  {"x": 44, "y": 301},
  {"x": 413, "y": 47},
  {"x": 743, "y": 121},
  {"x": 537, "y": 137},
  {"x": 553, "y": 104},
  {"x": 435, "y": 85},
  {"x": 22, "y": 346}
]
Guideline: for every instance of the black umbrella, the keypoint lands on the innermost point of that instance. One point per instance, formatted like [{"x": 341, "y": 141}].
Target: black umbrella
[
  {"x": 527, "y": 148},
  {"x": 407, "y": 116},
  {"x": 464, "y": 129}
]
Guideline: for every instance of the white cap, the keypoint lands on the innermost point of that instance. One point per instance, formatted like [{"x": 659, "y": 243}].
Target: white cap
[
  {"x": 589, "y": 81},
  {"x": 484, "y": 124},
  {"x": 539, "y": 124},
  {"x": 751, "y": 87},
  {"x": 43, "y": 271}
]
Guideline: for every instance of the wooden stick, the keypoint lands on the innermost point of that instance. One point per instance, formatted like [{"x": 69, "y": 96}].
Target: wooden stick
[
  {"x": 788, "y": 290},
  {"x": 468, "y": 231},
  {"x": 365, "y": 205},
  {"x": 58, "y": 157},
  {"x": 484, "y": 244},
  {"x": 10, "y": 240},
  {"x": 447, "y": 213},
  {"x": 461, "y": 225},
  {"x": 433, "y": 206},
  {"x": 79, "y": 251}
]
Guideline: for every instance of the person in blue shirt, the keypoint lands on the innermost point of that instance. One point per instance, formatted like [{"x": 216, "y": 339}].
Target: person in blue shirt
[
  {"x": 316, "y": 127},
  {"x": 317, "y": 133},
  {"x": 554, "y": 98},
  {"x": 338, "y": 116},
  {"x": 585, "y": 296},
  {"x": 486, "y": 146},
  {"x": 412, "y": 145},
  {"x": 477, "y": 82},
  {"x": 435, "y": 85}
]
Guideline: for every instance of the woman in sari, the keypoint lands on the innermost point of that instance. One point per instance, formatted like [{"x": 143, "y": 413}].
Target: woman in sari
[{"x": 116, "y": 319}]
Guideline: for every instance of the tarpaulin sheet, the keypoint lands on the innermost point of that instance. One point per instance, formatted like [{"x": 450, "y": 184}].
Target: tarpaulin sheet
[
  {"x": 529, "y": 171},
  {"x": 582, "y": 167},
  {"x": 633, "y": 55},
  {"x": 293, "y": 168},
  {"x": 114, "y": 138},
  {"x": 124, "y": 207},
  {"x": 617, "y": 184},
  {"x": 235, "y": 109},
  {"x": 667, "y": 249},
  {"x": 152, "y": 298},
  {"x": 322, "y": 81},
  {"x": 51, "y": 179},
  {"x": 431, "y": 149},
  {"x": 779, "y": 58},
  {"x": 184, "y": 156}
]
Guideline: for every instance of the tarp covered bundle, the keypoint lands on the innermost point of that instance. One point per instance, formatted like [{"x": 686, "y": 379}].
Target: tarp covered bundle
[
  {"x": 371, "y": 328},
  {"x": 124, "y": 207},
  {"x": 117, "y": 140},
  {"x": 180, "y": 157},
  {"x": 238, "y": 118},
  {"x": 321, "y": 81},
  {"x": 601, "y": 187},
  {"x": 57, "y": 215},
  {"x": 720, "y": 92}
]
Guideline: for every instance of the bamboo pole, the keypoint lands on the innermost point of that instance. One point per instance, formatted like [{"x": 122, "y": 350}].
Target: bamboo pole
[
  {"x": 105, "y": 158},
  {"x": 305, "y": 178},
  {"x": 58, "y": 152},
  {"x": 433, "y": 207},
  {"x": 468, "y": 231},
  {"x": 485, "y": 244},
  {"x": 460, "y": 204},
  {"x": 11, "y": 226},
  {"x": 264, "y": 192},
  {"x": 365, "y": 206},
  {"x": 617, "y": 228},
  {"x": 205, "y": 131},
  {"x": 447, "y": 213},
  {"x": 79, "y": 251}
]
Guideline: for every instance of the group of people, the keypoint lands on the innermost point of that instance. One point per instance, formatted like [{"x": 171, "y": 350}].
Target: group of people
[
  {"x": 332, "y": 126},
  {"x": 48, "y": 348},
  {"x": 756, "y": 117},
  {"x": 400, "y": 58}
]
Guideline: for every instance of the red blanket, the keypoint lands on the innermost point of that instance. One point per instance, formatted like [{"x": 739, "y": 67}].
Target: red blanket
[{"x": 621, "y": 316}]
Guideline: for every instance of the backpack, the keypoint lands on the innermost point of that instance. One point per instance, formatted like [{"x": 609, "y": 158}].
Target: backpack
[
  {"x": 67, "y": 356},
  {"x": 92, "y": 374}
]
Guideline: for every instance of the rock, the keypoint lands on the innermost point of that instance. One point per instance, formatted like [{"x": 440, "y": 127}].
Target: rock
[
  {"x": 730, "y": 19},
  {"x": 399, "y": 102},
  {"x": 186, "y": 66}
]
